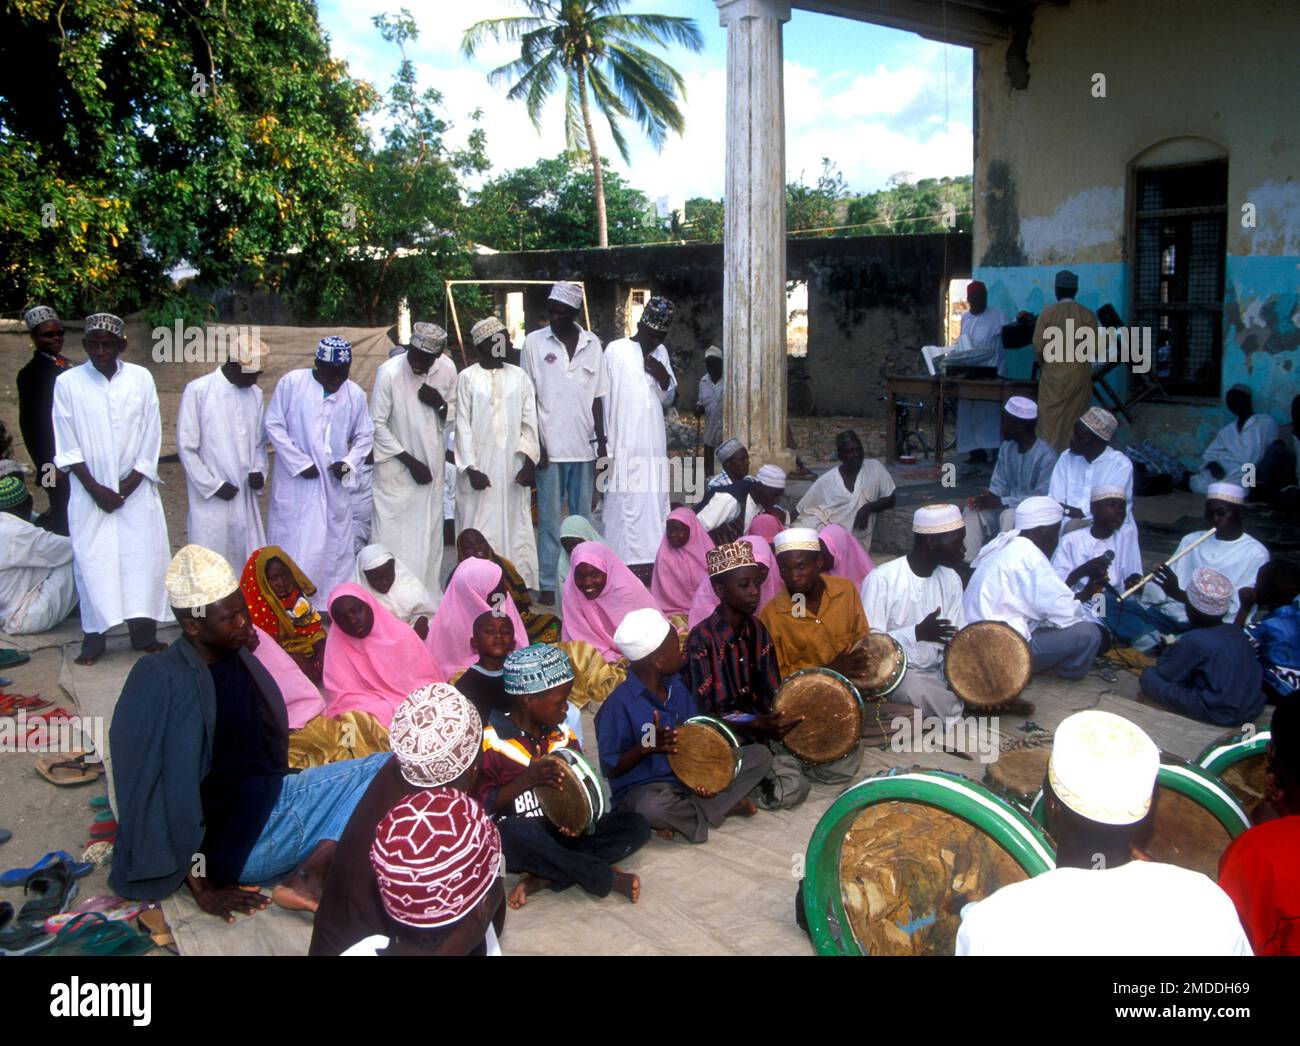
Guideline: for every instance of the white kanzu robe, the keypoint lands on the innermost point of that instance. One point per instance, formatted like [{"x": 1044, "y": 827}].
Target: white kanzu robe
[
  {"x": 1014, "y": 583},
  {"x": 311, "y": 519},
  {"x": 37, "y": 587},
  {"x": 1234, "y": 450},
  {"x": 496, "y": 432},
  {"x": 220, "y": 439},
  {"x": 408, "y": 516},
  {"x": 829, "y": 501},
  {"x": 1239, "y": 561},
  {"x": 1079, "y": 546},
  {"x": 636, "y": 489},
  {"x": 1073, "y": 480},
  {"x": 898, "y": 600},
  {"x": 121, "y": 557},
  {"x": 979, "y": 422}
]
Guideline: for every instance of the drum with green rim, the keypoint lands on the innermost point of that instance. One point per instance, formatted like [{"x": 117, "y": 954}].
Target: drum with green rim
[
  {"x": 1196, "y": 817},
  {"x": 1240, "y": 761},
  {"x": 579, "y": 803},
  {"x": 894, "y": 860},
  {"x": 707, "y": 759}
]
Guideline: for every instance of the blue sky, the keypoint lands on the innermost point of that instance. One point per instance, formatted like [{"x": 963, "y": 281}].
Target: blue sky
[{"x": 870, "y": 98}]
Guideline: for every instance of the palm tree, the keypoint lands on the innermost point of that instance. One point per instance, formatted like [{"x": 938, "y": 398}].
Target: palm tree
[{"x": 592, "y": 46}]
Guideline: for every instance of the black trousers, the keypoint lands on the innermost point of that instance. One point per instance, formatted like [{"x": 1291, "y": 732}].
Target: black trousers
[{"x": 531, "y": 844}]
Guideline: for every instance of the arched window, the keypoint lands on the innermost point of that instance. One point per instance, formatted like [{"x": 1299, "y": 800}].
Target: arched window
[{"x": 1180, "y": 206}]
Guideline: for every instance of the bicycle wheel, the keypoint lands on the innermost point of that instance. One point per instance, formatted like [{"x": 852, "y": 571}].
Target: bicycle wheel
[
  {"x": 949, "y": 424},
  {"x": 914, "y": 443}
]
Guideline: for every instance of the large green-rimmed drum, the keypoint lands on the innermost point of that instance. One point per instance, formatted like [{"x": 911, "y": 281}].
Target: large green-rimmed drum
[
  {"x": 895, "y": 859},
  {"x": 1196, "y": 817},
  {"x": 579, "y": 802},
  {"x": 1240, "y": 762}
]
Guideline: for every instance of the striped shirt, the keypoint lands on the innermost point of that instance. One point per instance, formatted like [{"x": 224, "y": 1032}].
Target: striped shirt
[
  {"x": 507, "y": 752},
  {"x": 730, "y": 671}
]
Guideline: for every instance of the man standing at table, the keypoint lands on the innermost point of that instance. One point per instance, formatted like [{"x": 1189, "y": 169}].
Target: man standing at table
[
  {"x": 981, "y": 327},
  {"x": 1065, "y": 382}
]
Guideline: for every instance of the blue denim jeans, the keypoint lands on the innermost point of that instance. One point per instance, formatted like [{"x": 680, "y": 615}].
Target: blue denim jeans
[
  {"x": 1138, "y": 625},
  {"x": 313, "y": 805},
  {"x": 564, "y": 488}
]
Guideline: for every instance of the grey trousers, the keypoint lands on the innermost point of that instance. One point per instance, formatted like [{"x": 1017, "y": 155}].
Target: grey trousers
[
  {"x": 670, "y": 804},
  {"x": 1066, "y": 651},
  {"x": 984, "y": 525},
  {"x": 928, "y": 692}
]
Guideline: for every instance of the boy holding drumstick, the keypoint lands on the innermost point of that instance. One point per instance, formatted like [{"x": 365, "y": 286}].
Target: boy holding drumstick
[{"x": 637, "y": 731}]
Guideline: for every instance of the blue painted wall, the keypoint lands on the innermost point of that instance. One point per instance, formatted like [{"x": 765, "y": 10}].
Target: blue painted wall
[{"x": 1261, "y": 340}]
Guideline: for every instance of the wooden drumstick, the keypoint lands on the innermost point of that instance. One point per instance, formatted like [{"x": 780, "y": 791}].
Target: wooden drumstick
[{"x": 1168, "y": 562}]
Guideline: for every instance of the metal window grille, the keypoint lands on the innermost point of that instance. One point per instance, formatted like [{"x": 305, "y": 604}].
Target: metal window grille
[{"x": 1180, "y": 230}]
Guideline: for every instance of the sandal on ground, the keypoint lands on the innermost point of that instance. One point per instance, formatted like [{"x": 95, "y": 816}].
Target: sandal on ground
[
  {"x": 9, "y": 658},
  {"x": 114, "y": 909},
  {"x": 92, "y": 933},
  {"x": 48, "y": 892},
  {"x": 99, "y": 802},
  {"x": 103, "y": 830},
  {"x": 5, "y": 835},
  {"x": 76, "y": 769},
  {"x": 154, "y": 923},
  {"x": 19, "y": 876},
  {"x": 11, "y": 704}
]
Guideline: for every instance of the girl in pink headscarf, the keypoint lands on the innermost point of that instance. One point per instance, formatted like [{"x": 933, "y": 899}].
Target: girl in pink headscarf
[
  {"x": 372, "y": 660},
  {"x": 766, "y": 526},
  {"x": 680, "y": 563},
  {"x": 851, "y": 559},
  {"x": 598, "y": 593},
  {"x": 705, "y": 601},
  {"x": 476, "y": 586}
]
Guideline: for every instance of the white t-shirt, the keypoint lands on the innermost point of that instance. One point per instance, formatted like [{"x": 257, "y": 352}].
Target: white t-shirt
[
  {"x": 375, "y": 944},
  {"x": 1139, "y": 908},
  {"x": 566, "y": 389}
]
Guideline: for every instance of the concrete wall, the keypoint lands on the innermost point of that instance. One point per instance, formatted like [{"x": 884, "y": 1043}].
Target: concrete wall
[
  {"x": 873, "y": 301},
  {"x": 1186, "y": 80}
]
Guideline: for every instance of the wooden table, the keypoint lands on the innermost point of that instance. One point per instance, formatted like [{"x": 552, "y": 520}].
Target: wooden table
[{"x": 925, "y": 389}]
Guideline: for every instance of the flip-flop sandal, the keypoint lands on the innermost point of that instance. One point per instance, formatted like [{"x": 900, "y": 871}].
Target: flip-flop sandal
[
  {"x": 41, "y": 724},
  {"x": 9, "y": 658},
  {"x": 114, "y": 909},
  {"x": 6, "y": 915},
  {"x": 99, "y": 802},
  {"x": 103, "y": 830},
  {"x": 5, "y": 835},
  {"x": 154, "y": 922},
  {"x": 103, "y": 815},
  {"x": 78, "y": 769},
  {"x": 98, "y": 854},
  {"x": 18, "y": 876},
  {"x": 11, "y": 704}
]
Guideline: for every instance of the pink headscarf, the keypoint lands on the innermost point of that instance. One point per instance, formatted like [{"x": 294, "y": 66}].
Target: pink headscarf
[
  {"x": 594, "y": 620},
  {"x": 376, "y": 673},
  {"x": 851, "y": 559},
  {"x": 705, "y": 601},
  {"x": 301, "y": 698},
  {"x": 766, "y": 526},
  {"x": 678, "y": 570},
  {"x": 464, "y": 602}
]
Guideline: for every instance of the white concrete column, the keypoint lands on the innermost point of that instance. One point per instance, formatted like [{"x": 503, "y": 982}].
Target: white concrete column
[{"x": 753, "y": 313}]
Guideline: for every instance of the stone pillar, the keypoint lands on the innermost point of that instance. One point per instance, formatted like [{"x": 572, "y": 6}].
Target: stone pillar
[{"x": 753, "y": 313}]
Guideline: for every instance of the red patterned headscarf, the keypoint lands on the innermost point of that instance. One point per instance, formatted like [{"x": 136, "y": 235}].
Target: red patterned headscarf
[{"x": 269, "y": 613}]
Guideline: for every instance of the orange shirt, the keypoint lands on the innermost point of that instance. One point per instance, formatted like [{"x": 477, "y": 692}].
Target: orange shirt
[{"x": 811, "y": 640}]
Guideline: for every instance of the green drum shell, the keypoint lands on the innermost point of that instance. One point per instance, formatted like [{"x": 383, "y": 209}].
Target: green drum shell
[
  {"x": 1022, "y": 839},
  {"x": 1221, "y": 756},
  {"x": 590, "y": 782}
]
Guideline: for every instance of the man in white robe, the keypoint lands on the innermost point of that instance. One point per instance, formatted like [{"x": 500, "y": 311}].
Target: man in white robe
[
  {"x": 850, "y": 494},
  {"x": 1014, "y": 582},
  {"x": 708, "y": 404},
  {"x": 497, "y": 450},
  {"x": 1088, "y": 463},
  {"x": 320, "y": 427},
  {"x": 980, "y": 339},
  {"x": 916, "y": 598},
  {"x": 221, "y": 441},
  {"x": 107, "y": 435},
  {"x": 37, "y": 587},
  {"x": 412, "y": 404},
  {"x": 1024, "y": 470},
  {"x": 1232, "y": 552},
  {"x": 641, "y": 385},
  {"x": 1239, "y": 447},
  {"x": 1081, "y": 555}
]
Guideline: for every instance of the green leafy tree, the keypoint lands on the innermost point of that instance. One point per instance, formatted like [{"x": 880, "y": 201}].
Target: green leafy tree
[
  {"x": 134, "y": 135},
  {"x": 548, "y": 207},
  {"x": 597, "y": 52},
  {"x": 930, "y": 205},
  {"x": 409, "y": 226}
]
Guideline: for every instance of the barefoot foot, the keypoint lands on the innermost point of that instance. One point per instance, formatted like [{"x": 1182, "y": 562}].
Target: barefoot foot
[
  {"x": 744, "y": 808},
  {"x": 527, "y": 884},
  {"x": 627, "y": 884},
  {"x": 665, "y": 833}
]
